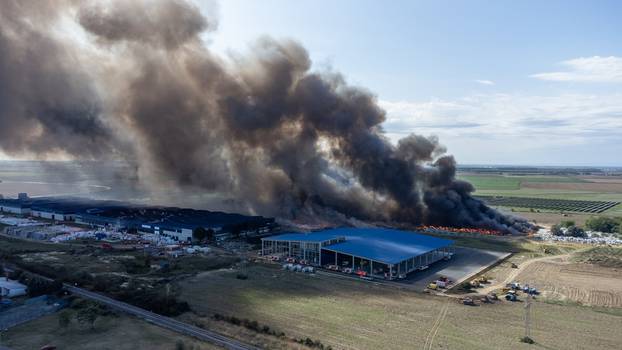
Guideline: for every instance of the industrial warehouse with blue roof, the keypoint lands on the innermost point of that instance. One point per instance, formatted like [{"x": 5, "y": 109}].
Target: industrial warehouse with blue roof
[{"x": 377, "y": 252}]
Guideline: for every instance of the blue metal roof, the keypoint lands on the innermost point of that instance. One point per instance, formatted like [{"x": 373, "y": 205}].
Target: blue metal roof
[
  {"x": 14, "y": 203},
  {"x": 319, "y": 236},
  {"x": 379, "y": 244}
]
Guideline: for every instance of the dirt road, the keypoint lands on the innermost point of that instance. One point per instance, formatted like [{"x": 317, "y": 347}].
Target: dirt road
[{"x": 515, "y": 272}]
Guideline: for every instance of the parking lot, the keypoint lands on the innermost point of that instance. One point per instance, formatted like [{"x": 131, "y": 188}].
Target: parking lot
[{"x": 465, "y": 263}]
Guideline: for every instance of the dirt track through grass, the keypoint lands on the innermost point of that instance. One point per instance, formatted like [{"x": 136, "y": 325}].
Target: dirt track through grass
[
  {"x": 511, "y": 277},
  {"x": 566, "y": 277},
  {"x": 429, "y": 340}
]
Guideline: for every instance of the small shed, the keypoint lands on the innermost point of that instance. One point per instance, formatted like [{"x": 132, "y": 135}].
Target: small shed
[{"x": 10, "y": 288}]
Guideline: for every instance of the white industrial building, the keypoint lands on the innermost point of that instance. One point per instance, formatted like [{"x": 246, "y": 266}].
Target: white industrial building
[
  {"x": 10, "y": 288},
  {"x": 178, "y": 232},
  {"x": 53, "y": 214},
  {"x": 13, "y": 206}
]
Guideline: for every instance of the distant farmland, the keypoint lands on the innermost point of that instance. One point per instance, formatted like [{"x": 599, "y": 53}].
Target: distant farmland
[{"x": 579, "y": 206}]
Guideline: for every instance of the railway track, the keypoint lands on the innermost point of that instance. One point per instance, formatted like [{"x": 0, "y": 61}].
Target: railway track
[
  {"x": 159, "y": 320},
  {"x": 163, "y": 321}
]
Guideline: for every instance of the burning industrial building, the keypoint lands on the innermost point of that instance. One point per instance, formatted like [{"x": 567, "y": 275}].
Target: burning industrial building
[{"x": 264, "y": 130}]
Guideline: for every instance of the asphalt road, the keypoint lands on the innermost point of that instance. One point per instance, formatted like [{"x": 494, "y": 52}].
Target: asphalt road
[
  {"x": 163, "y": 321},
  {"x": 465, "y": 263}
]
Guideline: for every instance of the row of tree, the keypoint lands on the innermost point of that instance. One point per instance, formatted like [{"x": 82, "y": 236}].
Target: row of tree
[
  {"x": 201, "y": 234},
  {"x": 596, "y": 223},
  {"x": 570, "y": 231},
  {"x": 604, "y": 224},
  {"x": 84, "y": 312}
]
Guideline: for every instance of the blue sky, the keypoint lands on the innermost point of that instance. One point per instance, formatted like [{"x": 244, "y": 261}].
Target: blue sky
[{"x": 500, "y": 82}]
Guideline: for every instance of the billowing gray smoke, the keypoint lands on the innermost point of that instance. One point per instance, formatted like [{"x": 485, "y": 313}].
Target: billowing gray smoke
[{"x": 262, "y": 129}]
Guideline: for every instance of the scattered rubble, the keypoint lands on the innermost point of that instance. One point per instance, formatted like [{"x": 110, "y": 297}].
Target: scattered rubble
[
  {"x": 592, "y": 237},
  {"x": 19, "y": 222}
]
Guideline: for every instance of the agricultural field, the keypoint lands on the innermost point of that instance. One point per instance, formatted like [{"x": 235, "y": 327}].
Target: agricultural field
[
  {"x": 347, "y": 314},
  {"x": 564, "y": 205},
  {"x": 492, "y": 182},
  {"x": 570, "y": 275},
  {"x": 535, "y": 188}
]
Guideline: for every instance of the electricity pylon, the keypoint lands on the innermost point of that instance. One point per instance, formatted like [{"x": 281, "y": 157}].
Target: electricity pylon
[{"x": 528, "y": 317}]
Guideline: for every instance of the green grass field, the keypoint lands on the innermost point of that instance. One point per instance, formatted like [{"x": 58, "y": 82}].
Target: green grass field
[
  {"x": 511, "y": 186},
  {"x": 354, "y": 315},
  {"x": 506, "y": 182},
  {"x": 492, "y": 182},
  {"x": 121, "y": 332},
  {"x": 10, "y": 245},
  {"x": 602, "y": 256}
]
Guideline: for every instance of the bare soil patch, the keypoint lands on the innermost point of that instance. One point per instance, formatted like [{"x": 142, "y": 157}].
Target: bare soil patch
[
  {"x": 549, "y": 218},
  {"x": 606, "y": 179},
  {"x": 560, "y": 278},
  {"x": 582, "y": 283}
]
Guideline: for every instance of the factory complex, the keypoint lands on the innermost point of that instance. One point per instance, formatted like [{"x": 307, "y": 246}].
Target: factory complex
[
  {"x": 373, "y": 252},
  {"x": 174, "y": 223}
]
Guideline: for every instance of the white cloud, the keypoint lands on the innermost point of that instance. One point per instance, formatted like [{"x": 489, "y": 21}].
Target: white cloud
[
  {"x": 485, "y": 82},
  {"x": 587, "y": 69},
  {"x": 508, "y": 128}
]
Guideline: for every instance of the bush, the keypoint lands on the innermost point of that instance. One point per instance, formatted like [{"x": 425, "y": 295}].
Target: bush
[
  {"x": 527, "y": 340},
  {"x": 313, "y": 344},
  {"x": 78, "y": 304},
  {"x": 574, "y": 231},
  {"x": 241, "y": 276},
  {"x": 137, "y": 266},
  {"x": 248, "y": 324},
  {"x": 571, "y": 231},
  {"x": 38, "y": 286},
  {"x": 86, "y": 312},
  {"x": 15, "y": 275},
  {"x": 88, "y": 316},
  {"x": 556, "y": 230},
  {"x": 153, "y": 301},
  {"x": 64, "y": 318},
  {"x": 567, "y": 223},
  {"x": 256, "y": 327},
  {"x": 604, "y": 224}
]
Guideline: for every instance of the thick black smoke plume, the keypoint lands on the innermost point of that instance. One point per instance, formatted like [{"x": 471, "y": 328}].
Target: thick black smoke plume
[{"x": 263, "y": 129}]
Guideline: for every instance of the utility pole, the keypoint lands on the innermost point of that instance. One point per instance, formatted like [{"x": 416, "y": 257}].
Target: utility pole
[
  {"x": 528, "y": 317},
  {"x": 168, "y": 291}
]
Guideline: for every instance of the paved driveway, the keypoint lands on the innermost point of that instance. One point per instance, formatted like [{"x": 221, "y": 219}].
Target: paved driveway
[{"x": 465, "y": 263}]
